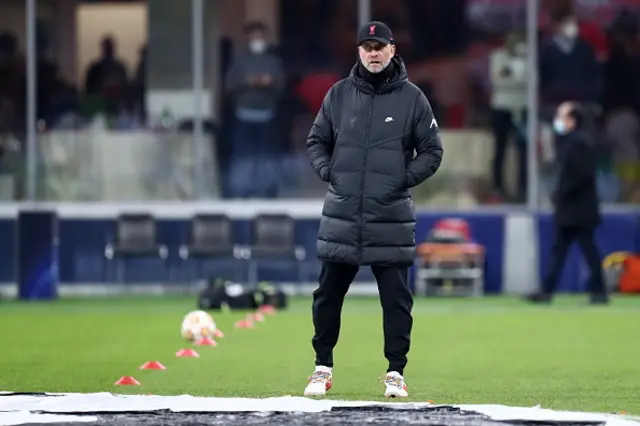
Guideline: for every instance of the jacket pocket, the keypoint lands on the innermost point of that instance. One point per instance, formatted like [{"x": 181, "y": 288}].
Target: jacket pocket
[
  {"x": 403, "y": 168},
  {"x": 331, "y": 166}
]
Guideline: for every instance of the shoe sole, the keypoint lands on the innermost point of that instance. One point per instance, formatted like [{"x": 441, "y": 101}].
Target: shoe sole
[
  {"x": 319, "y": 393},
  {"x": 315, "y": 393},
  {"x": 393, "y": 395}
]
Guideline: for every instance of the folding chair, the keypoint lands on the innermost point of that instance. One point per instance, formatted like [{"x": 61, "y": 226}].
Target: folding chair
[
  {"x": 136, "y": 237},
  {"x": 273, "y": 240},
  {"x": 211, "y": 237}
]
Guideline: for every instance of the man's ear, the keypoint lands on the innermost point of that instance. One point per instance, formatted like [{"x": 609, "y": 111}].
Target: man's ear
[{"x": 393, "y": 50}]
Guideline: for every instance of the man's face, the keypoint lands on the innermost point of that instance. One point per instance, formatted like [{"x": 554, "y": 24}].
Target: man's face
[
  {"x": 375, "y": 56},
  {"x": 257, "y": 41},
  {"x": 562, "y": 115},
  {"x": 108, "y": 48},
  {"x": 568, "y": 28}
]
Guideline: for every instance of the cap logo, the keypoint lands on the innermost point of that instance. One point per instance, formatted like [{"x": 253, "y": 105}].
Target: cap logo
[{"x": 372, "y": 30}]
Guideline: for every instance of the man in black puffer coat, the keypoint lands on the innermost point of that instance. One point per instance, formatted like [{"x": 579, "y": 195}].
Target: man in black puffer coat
[
  {"x": 362, "y": 144},
  {"x": 576, "y": 202}
]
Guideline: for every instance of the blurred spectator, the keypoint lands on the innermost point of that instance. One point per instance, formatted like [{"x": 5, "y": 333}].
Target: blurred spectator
[
  {"x": 313, "y": 87},
  {"x": 448, "y": 48},
  {"x": 139, "y": 84},
  {"x": 12, "y": 93},
  {"x": 594, "y": 34},
  {"x": 12, "y": 111},
  {"x": 107, "y": 79},
  {"x": 568, "y": 66},
  {"x": 55, "y": 97},
  {"x": 255, "y": 82},
  {"x": 622, "y": 99},
  {"x": 509, "y": 101},
  {"x": 12, "y": 85}
]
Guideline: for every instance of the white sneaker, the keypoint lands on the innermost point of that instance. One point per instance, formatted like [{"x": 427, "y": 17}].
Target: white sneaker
[
  {"x": 319, "y": 382},
  {"x": 395, "y": 387}
]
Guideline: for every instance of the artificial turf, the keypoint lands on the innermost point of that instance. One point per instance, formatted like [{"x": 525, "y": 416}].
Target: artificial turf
[{"x": 494, "y": 350}]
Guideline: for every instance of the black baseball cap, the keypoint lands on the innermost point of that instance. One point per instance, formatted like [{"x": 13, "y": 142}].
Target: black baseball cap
[{"x": 375, "y": 30}]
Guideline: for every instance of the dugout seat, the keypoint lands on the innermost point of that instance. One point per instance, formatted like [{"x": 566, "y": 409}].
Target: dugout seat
[
  {"x": 211, "y": 238},
  {"x": 273, "y": 240},
  {"x": 449, "y": 262},
  {"x": 135, "y": 237}
]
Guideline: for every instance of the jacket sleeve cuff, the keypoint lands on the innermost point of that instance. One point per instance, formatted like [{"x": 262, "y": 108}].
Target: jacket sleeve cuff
[
  {"x": 410, "y": 180},
  {"x": 324, "y": 173}
]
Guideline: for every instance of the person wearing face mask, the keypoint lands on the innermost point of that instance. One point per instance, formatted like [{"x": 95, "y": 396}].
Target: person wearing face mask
[
  {"x": 508, "y": 70},
  {"x": 363, "y": 144},
  {"x": 568, "y": 67},
  {"x": 255, "y": 84},
  {"x": 576, "y": 204}
]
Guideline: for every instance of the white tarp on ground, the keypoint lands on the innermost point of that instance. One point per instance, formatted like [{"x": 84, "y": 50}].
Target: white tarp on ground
[
  {"x": 23, "y": 417},
  {"x": 109, "y": 403}
]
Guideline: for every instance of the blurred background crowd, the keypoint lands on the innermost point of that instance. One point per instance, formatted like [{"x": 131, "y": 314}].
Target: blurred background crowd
[{"x": 118, "y": 91}]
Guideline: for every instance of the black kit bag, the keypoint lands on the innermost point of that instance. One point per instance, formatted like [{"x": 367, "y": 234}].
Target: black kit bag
[
  {"x": 221, "y": 294},
  {"x": 273, "y": 295}
]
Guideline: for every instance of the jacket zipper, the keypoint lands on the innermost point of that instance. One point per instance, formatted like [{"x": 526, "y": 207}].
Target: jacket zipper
[{"x": 363, "y": 173}]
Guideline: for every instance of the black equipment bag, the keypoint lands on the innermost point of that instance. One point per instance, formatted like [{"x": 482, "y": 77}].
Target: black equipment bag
[
  {"x": 221, "y": 294},
  {"x": 273, "y": 296}
]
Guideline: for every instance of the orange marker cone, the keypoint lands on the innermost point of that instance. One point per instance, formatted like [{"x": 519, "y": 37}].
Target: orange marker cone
[
  {"x": 267, "y": 309},
  {"x": 207, "y": 341},
  {"x": 256, "y": 316},
  {"x": 127, "y": 381},
  {"x": 152, "y": 365},
  {"x": 187, "y": 353},
  {"x": 244, "y": 324}
]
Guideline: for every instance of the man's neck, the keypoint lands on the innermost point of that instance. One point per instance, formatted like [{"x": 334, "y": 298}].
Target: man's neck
[
  {"x": 564, "y": 43},
  {"x": 376, "y": 78}
]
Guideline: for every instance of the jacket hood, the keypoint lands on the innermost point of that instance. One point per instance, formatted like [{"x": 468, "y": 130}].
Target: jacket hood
[{"x": 399, "y": 78}]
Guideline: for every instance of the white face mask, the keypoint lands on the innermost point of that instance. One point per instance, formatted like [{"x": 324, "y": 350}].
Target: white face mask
[
  {"x": 570, "y": 30},
  {"x": 257, "y": 45},
  {"x": 559, "y": 126}
]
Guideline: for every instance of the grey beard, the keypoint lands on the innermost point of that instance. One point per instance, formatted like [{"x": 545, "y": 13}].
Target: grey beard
[{"x": 378, "y": 71}]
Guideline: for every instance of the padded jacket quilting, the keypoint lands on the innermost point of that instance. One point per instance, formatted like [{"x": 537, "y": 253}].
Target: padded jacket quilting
[{"x": 371, "y": 145}]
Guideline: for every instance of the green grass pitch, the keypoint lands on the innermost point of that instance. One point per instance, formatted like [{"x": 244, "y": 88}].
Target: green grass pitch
[{"x": 464, "y": 351}]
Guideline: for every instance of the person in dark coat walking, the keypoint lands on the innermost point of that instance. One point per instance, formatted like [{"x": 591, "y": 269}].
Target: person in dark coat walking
[
  {"x": 577, "y": 208},
  {"x": 374, "y": 138}
]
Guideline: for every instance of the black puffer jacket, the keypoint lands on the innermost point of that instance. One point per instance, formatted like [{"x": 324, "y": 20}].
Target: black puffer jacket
[
  {"x": 362, "y": 143},
  {"x": 576, "y": 195}
]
